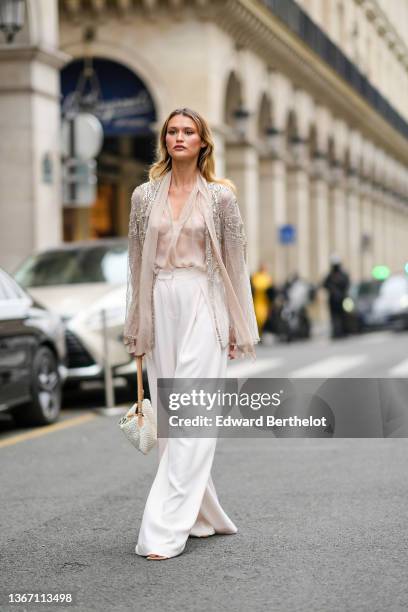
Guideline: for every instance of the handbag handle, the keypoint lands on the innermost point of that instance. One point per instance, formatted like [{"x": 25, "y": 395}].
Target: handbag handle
[{"x": 140, "y": 391}]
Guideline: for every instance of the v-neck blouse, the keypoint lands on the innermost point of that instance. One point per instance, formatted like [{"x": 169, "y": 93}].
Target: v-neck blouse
[{"x": 181, "y": 242}]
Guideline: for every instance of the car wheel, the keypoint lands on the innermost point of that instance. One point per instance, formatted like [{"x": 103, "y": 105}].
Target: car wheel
[{"x": 45, "y": 391}]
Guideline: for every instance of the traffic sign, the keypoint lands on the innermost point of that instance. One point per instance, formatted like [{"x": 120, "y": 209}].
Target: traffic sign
[
  {"x": 81, "y": 172},
  {"x": 79, "y": 182},
  {"x": 82, "y": 136},
  {"x": 287, "y": 234}
]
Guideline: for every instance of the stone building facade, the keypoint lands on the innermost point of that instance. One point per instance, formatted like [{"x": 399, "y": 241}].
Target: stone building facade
[{"x": 307, "y": 101}]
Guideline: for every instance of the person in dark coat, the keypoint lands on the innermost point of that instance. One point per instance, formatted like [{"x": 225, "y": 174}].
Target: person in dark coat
[{"x": 337, "y": 283}]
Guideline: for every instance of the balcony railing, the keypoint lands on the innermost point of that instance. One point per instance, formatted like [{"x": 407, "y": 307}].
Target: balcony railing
[{"x": 301, "y": 24}]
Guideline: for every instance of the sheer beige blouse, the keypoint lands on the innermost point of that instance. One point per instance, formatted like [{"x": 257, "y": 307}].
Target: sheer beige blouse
[{"x": 181, "y": 241}]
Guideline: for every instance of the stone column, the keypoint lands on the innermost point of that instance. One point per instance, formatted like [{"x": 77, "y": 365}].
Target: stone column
[
  {"x": 242, "y": 167},
  {"x": 402, "y": 232},
  {"x": 367, "y": 229},
  {"x": 338, "y": 227},
  {"x": 30, "y": 183},
  {"x": 353, "y": 227},
  {"x": 400, "y": 258},
  {"x": 397, "y": 263},
  {"x": 389, "y": 246},
  {"x": 320, "y": 230},
  {"x": 299, "y": 212},
  {"x": 219, "y": 151},
  {"x": 267, "y": 227},
  {"x": 279, "y": 204},
  {"x": 379, "y": 242}
]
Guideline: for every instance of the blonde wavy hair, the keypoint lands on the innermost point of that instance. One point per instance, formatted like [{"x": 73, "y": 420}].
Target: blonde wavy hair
[{"x": 205, "y": 161}]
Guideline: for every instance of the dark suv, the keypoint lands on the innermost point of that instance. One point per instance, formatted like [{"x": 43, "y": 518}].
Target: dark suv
[{"x": 32, "y": 356}]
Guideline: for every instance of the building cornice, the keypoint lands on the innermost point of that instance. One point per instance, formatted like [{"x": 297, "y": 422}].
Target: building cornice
[
  {"x": 256, "y": 27},
  {"x": 78, "y": 9},
  {"x": 385, "y": 29}
]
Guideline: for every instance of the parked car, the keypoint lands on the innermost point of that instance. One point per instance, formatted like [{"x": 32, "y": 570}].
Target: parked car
[
  {"x": 32, "y": 356},
  {"x": 359, "y": 305},
  {"x": 390, "y": 309},
  {"x": 77, "y": 281}
]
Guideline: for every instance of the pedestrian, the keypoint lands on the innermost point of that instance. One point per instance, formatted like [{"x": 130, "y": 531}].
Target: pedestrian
[
  {"x": 261, "y": 280},
  {"x": 337, "y": 283},
  {"x": 270, "y": 326},
  {"x": 188, "y": 309}
]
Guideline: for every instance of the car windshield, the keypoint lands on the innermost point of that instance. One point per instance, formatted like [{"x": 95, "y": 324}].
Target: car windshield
[
  {"x": 98, "y": 264},
  {"x": 365, "y": 289}
]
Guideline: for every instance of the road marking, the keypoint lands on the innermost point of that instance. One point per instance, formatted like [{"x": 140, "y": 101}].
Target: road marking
[
  {"x": 401, "y": 369},
  {"x": 332, "y": 366},
  {"x": 244, "y": 370},
  {"x": 42, "y": 431},
  {"x": 377, "y": 337}
]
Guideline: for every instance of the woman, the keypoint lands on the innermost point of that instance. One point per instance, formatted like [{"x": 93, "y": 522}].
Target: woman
[{"x": 189, "y": 307}]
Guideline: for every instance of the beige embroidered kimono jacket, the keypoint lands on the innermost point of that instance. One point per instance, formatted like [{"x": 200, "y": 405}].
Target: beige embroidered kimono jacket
[{"x": 226, "y": 263}]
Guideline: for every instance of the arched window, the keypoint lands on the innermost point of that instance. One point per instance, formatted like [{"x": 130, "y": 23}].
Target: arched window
[{"x": 233, "y": 99}]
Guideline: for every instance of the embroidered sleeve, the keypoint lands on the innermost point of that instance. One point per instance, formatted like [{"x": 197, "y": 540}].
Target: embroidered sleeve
[
  {"x": 234, "y": 232},
  {"x": 234, "y": 253},
  {"x": 133, "y": 274}
]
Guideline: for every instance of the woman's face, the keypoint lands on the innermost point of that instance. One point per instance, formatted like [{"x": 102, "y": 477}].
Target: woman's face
[{"x": 183, "y": 141}]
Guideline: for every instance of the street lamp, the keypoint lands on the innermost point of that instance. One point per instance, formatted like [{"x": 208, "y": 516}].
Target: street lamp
[
  {"x": 87, "y": 101},
  {"x": 298, "y": 147},
  {"x": 88, "y": 92},
  {"x": 274, "y": 139},
  {"x": 319, "y": 163},
  {"x": 11, "y": 17},
  {"x": 241, "y": 118}
]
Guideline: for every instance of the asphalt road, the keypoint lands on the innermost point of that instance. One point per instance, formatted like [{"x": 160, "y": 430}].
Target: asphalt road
[
  {"x": 381, "y": 354},
  {"x": 322, "y": 523}
]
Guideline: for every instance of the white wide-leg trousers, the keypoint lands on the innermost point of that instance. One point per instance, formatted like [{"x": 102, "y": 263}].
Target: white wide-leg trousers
[{"x": 182, "y": 500}]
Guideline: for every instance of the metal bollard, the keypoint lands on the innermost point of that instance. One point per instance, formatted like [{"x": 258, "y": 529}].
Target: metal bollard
[
  {"x": 109, "y": 391},
  {"x": 110, "y": 408}
]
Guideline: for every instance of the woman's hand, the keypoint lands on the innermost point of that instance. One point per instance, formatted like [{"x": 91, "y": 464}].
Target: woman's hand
[{"x": 232, "y": 351}]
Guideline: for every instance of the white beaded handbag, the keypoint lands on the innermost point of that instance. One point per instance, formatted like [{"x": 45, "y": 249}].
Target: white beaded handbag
[{"x": 139, "y": 423}]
